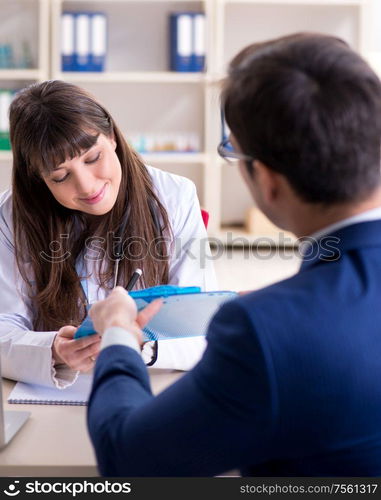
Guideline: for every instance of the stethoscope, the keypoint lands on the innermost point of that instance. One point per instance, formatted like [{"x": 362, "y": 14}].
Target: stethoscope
[
  {"x": 119, "y": 255},
  {"x": 118, "y": 249},
  {"x": 118, "y": 252}
]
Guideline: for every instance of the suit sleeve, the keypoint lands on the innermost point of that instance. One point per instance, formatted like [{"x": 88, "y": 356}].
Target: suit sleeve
[{"x": 219, "y": 416}]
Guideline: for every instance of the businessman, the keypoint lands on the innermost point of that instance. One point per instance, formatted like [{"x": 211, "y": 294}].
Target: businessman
[{"x": 289, "y": 384}]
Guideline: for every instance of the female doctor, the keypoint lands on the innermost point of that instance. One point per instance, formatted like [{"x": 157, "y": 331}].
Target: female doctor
[{"x": 78, "y": 192}]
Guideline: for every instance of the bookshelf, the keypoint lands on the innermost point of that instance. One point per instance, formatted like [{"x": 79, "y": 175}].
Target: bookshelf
[
  {"x": 25, "y": 27},
  {"x": 132, "y": 77},
  {"x": 145, "y": 97},
  {"x": 26, "y": 21},
  {"x": 259, "y": 20}
]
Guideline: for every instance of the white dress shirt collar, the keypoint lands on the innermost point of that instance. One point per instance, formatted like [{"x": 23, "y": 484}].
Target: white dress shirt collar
[{"x": 366, "y": 216}]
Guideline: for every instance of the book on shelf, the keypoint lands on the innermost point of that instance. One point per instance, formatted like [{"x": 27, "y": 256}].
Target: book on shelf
[
  {"x": 67, "y": 41},
  {"x": 165, "y": 142},
  {"x": 6, "y": 56},
  {"x": 6, "y": 97},
  {"x": 83, "y": 41},
  {"x": 199, "y": 42},
  {"x": 16, "y": 55},
  {"x": 187, "y": 41},
  {"x": 98, "y": 45}
]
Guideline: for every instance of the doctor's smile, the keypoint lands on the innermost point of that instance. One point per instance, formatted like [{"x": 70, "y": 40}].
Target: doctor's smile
[{"x": 96, "y": 198}]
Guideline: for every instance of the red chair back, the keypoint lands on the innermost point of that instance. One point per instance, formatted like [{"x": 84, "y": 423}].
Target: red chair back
[{"x": 205, "y": 217}]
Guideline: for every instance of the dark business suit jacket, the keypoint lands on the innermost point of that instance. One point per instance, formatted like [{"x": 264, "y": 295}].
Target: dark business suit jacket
[{"x": 289, "y": 385}]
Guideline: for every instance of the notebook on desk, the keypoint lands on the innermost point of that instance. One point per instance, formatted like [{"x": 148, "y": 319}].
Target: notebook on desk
[{"x": 76, "y": 394}]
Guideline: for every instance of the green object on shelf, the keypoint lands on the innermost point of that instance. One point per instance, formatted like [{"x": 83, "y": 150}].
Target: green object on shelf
[
  {"x": 26, "y": 61},
  {"x": 5, "y": 143}
]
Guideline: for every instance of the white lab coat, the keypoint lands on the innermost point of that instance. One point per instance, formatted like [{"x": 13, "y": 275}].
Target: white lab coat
[{"x": 26, "y": 355}]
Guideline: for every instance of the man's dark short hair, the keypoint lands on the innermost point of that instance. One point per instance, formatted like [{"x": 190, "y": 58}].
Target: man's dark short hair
[{"x": 308, "y": 107}]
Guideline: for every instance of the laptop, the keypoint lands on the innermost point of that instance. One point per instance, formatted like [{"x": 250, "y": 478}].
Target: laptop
[{"x": 10, "y": 421}]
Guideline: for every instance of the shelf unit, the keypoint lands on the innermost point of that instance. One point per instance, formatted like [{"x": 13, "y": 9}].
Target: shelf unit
[
  {"x": 260, "y": 20},
  {"x": 24, "y": 20},
  {"x": 144, "y": 97},
  {"x": 27, "y": 20},
  {"x": 132, "y": 77}
]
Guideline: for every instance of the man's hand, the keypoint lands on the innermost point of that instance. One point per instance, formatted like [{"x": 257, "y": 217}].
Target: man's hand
[
  {"x": 77, "y": 354},
  {"x": 119, "y": 309}
]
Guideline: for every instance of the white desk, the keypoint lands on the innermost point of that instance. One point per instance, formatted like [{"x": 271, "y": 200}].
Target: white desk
[{"x": 54, "y": 441}]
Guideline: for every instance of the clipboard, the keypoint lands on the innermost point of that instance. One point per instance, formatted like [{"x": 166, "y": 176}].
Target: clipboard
[{"x": 186, "y": 312}]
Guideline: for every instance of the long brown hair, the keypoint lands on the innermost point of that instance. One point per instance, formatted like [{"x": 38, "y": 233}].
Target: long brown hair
[{"x": 51, "y": 122}]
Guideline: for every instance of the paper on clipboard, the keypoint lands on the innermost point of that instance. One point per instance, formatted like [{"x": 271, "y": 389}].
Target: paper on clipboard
[{"x": 186, "y": 315}]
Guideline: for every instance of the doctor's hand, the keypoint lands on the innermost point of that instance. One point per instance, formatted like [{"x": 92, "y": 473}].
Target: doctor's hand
[
  {"x": 119, "y": 309},
  {"x": 78, "y": 354}
]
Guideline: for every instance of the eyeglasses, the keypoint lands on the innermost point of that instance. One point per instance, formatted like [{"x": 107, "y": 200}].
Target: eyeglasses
[{"x": 226, "y": 151}]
